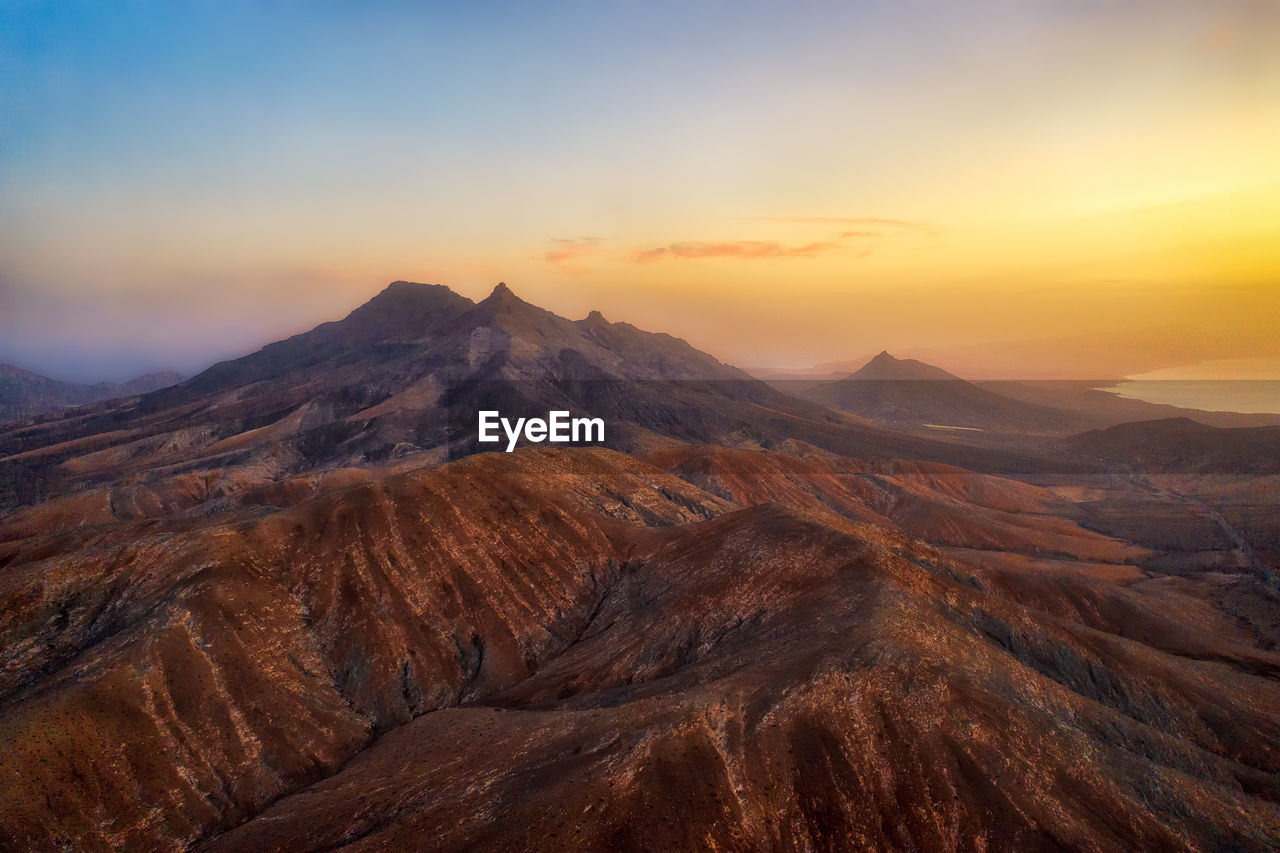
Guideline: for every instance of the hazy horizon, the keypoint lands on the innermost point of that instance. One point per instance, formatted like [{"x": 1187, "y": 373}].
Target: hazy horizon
[
  {"x": 1007, "y": 360},
  {"x": 1069, "y": 191}
]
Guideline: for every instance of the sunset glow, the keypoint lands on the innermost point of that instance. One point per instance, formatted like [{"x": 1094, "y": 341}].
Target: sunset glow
[{"x": 1011, "y": 188}]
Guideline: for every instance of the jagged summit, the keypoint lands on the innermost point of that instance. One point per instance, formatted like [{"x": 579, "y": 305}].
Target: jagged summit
[
  {"x": 405, "y": 291},
  {"x": 504, "y": 296},
  {"x": 409, "y": 297},
  {"x": 504, "y": 310}
]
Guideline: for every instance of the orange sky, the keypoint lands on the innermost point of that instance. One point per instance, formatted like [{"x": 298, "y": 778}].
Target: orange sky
[{"x": 1021, "y": 189}]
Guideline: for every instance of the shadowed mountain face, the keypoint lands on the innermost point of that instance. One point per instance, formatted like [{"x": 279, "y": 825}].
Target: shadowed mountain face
[
  {"x": 24, "y": 394},
  {"x": 265, "y": 610}
]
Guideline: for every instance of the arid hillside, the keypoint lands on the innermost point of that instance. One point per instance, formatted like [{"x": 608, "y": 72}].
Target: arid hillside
[{"x": 602, "y": 653}]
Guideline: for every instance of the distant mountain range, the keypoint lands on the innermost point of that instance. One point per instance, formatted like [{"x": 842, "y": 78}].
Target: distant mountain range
[
  {"x": 906, "y": 394},
  {"x": 24, "y": 394},
  {"x": 389, "y": 380}
]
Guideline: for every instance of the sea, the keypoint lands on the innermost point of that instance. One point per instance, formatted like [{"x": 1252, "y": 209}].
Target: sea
[
  {"x": 1210, "y": 395},
  {"x": 1246, "y": 385}
]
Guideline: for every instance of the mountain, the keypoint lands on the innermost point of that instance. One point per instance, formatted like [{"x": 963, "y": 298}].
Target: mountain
[
  {"x": 909, "y": 394},
  {"x": 24, "y": 394},
  {"x": 406, "y": 373},
  {"x": 413, "y": 330},
  {"x": 372, "y": 387},
  {"x": 1181, "y": 445}
]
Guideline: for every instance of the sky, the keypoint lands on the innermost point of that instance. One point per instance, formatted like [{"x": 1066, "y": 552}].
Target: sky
[{"x": 1030, "y": 188}]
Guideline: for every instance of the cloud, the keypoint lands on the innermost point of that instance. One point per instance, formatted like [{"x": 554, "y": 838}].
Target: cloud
[
  {"x": 857, "y": 228},
  {"x": 564, "y": 250},
  {"x": 741, "y": 249}
]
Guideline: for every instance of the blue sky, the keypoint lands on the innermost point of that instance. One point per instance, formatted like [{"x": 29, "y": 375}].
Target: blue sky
[{"x": 185, "y": 181}]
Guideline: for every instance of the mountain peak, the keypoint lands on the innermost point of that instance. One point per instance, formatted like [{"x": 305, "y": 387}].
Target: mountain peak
[
  {"x": 885, "y": 367},
  {"x": 503, "y": 308},
  {"x": 596, "y": 317},
  {"x": 503, "y": 296},
  {"x": 403, "y": 310},
  {"x": 404, "y": 292}
]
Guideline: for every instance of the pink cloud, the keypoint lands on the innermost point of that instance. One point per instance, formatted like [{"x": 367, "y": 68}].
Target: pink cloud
[
  {"x": 567, "y": 249},
  {"x": 875, "y": 221},
  {"x": 742, "y": 249}
]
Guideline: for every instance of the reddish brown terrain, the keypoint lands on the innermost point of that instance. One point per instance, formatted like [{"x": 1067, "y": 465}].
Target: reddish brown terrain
[{"x": 280, "y": 606}]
